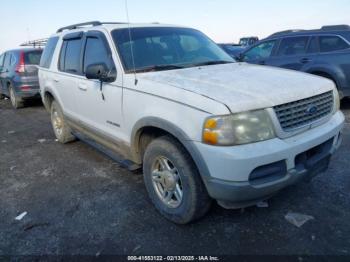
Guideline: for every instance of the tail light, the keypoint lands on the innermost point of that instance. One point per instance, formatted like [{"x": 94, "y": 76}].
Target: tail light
[{"x": 20, "y": 68}]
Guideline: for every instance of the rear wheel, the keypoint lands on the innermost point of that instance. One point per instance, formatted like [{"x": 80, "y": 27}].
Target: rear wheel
[
  {"x": 16, "y": 101},
  {"x": 62, "y": 131},
  {"x": 173, "y": 182}
]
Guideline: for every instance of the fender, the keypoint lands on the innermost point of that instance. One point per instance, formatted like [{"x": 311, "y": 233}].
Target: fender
[
  {"x": 175, "y": 131},
  {"x": 335, "y": 72}
]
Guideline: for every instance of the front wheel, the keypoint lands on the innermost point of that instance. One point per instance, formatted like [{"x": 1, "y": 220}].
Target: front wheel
[{"x": 173, "y": 182}]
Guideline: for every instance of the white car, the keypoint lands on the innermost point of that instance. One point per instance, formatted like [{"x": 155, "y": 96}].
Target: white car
[{"x": 169, "y": 100}]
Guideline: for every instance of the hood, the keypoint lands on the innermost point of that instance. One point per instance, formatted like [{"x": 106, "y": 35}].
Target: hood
[{"x": 243, "y": 87}]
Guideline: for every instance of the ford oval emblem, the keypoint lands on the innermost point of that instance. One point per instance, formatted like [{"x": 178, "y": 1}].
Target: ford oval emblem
[{"x": 311, "y": 110}]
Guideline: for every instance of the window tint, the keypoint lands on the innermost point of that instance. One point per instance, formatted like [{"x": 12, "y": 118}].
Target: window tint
[
  {"x": 96, "y": 52},
  {"x": 32, "y": 58},
  {"x": 7, "y": 60},
  {"x": 157, "y": 46},
  {"x": 261, "y": 51},
  {"x": 332, "y": 43},
  {"x": 313, "y": 46},
  {"x": 2, "y": 58},
  {"x": 293, "y": 46},
  {"x": 70, "y": 56},
  {"x": 50, "y": 47},
  {"x": 12, "y": 60}
]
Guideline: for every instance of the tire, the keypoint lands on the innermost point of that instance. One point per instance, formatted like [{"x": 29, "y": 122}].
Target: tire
[
  {"x": 195, "y": 201},
  {"x": 61, "y": 129},
  {"x": 16, "y": 101}
]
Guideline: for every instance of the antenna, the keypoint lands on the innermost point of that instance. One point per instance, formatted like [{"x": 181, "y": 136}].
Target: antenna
[{"x": 131, "y": 45}]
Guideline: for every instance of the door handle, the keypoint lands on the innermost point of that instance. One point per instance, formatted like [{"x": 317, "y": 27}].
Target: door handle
[
  {"x": 56, "y": 80},
  {"x": 262, "y": 63},
  {"x": 82, "y": 87},
  {"x": 305, "y": 60}
]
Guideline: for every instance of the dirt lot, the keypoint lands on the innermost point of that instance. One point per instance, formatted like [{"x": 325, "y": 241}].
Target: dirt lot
[{"x": 80, "y": 202}]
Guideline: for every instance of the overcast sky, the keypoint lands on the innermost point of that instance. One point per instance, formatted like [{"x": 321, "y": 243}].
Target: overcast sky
[{"x": 222, "y": 20}]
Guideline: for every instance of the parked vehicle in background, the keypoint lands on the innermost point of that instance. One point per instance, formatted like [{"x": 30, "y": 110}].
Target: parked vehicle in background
[
  {"x": 324, "y": 52},
  {"x": 19, "y": 75},
  {"x": 232, "y": 49},
  {"x": 169, "y": 100},
  {"x": 248, "y": 41}
]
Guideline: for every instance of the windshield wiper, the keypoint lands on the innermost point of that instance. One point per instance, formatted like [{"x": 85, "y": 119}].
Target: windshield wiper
[
  {"x": 217, "y": 62},
  {"x": 158, "y": 68}
]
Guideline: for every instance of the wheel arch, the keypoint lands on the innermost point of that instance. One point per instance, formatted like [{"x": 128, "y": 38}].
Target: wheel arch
[{"x": 150, "y": 128}]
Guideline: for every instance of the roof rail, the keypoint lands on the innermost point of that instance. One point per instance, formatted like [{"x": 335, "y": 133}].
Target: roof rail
[
  {"x": 35, "y": 43},
  {"x": 335, "y": 27},
  {"x": 75, "y": 26},
  {"x": 92, "y": 23},
  {"x": 287, "y": 32}
]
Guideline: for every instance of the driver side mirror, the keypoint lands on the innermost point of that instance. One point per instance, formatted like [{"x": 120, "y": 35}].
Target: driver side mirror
[{"x": 101, "y": 72}]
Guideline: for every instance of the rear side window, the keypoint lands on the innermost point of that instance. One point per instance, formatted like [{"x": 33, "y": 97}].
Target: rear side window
[
  {"x": 313, "y": 46},
  {"x": 70, "y": 56},
  {"x": 293, "y": 46},
  {"x": 95, "y": 52},
  {"x": 332, "y": 43},
  {"x": 47, "y": 55},
  {"x": 7, "y": 60},
  {"x": 2, "y": 57},
  {"x": 32, "y": 58}
]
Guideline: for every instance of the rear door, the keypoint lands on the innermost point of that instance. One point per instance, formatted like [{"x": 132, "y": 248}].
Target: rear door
[
  {"x": 2, "y": 59},
  {"x": 292, "y": 53},
  {"x": 31, "y": 63},
  {"x": 70, "y": 71},
  {"x": 4, "y": 73}
]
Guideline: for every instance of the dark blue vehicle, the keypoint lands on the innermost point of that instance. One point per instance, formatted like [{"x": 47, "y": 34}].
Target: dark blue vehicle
[
  {"x": 324, "y": 52},
  {"x": 19, "y": 75},
  {"x": 232, "y": 49}
]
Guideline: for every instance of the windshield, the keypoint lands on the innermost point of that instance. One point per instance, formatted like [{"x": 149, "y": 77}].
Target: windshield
[{"x": 166, "y": 48}]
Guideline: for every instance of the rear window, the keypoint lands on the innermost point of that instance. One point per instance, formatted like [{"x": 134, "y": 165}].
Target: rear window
[
  {"x": 32, "y": 58},
  {"x": 50, "y": 47},
  {"x": 332, "y": 43}
]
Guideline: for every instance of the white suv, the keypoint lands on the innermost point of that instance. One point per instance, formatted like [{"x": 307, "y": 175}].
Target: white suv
[{"x": 169, "y": 100}]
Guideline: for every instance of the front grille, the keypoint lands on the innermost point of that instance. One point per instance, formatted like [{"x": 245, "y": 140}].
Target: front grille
[{"x": 304, "y": 112}]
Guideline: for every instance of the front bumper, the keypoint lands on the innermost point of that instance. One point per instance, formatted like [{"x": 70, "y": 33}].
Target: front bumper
[{"x": 231, "y": 168}]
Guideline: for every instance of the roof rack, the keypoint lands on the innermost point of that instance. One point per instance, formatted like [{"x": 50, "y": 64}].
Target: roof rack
[
  {"x": 91, "y": 23},
  {"x": 287, "y": 32},
  {"x": 36, "y": 43},
  {"x": 335, "y": 27}
]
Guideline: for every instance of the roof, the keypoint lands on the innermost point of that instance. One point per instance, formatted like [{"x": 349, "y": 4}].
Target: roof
[
  {"x": 109, "y": 26},
  {"x": 26, "y": 49},
  {"x": 324, "y": 30}
]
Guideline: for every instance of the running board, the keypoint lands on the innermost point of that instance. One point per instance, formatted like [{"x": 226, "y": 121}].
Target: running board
[{"x": 130, "y": 165}]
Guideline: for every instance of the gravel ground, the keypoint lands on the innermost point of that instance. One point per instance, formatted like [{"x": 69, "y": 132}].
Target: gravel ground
[{"x": 80, "y": 202}]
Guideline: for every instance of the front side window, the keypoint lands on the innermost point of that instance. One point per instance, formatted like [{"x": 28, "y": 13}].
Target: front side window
[
  {"x": 70, "y": 56},
  {"x": 332, "y": 43},
  {"x": 49, "y": 50},
  {"x": 293, "y": 46},
  {"x": 165, "y": 48},
  {"x": 96, "y": 52},
  {"x": 261, "y": 51}
]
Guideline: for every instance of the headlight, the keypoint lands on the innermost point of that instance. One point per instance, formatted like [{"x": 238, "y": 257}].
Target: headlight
[
  {"x": 238, "y": 129},
  {"x": 336, "y": 100}
]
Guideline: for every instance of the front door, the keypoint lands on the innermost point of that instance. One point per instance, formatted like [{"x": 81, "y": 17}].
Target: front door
[{"x": 100, "y": 104}]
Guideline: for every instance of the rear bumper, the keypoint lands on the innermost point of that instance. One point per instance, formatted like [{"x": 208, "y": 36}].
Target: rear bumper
[
  {"x": 27, "y": 90},
  {"x": 242, "y": 176}
]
